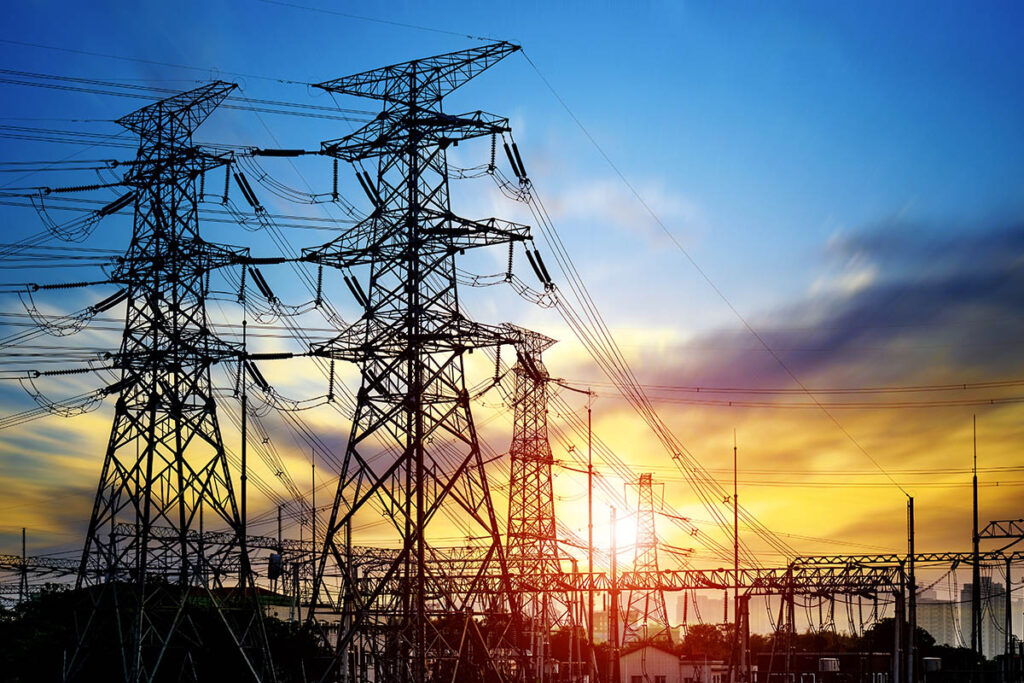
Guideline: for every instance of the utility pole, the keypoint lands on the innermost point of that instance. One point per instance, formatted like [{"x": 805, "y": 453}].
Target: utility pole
[
  {"x": 590, "y": 536},
  {"x": 976, "y": 639},
  {"x": 912, "y": 595},
  {"x": 243, "y": 567},
  {"x": 312, "y": 476},
  {"x": 613, "y": 616},
  {"x": 1008, "y": 628},
  {"x": 23, "y": 582},
  {"x": 735, "y": 559}
]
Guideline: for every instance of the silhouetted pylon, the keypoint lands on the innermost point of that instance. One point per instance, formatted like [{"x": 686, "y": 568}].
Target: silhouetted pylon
[
  {"x": 646, "y": 617},
  {"x": 165, "y": 465},
  {"x": 413, "y": 453},
  {"x": 532, "y": 545}
]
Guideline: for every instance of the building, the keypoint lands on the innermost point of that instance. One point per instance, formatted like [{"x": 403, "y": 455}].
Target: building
[
  {"x": 701, "y": 609},
  {"x": 993, "y": 614},
  {"x": 658, "y": 664},
  {"x": 650, "y": 664},
  {"x": 600, "y": 626},
  {"x": 824, "y": 667},
  {"x": 939, "y": 618}
]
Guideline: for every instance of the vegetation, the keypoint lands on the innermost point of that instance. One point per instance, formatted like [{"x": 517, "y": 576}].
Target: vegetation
[{"x": 40, "y": 638}]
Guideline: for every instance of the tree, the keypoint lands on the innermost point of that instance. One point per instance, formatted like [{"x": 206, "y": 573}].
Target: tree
[
  {"x": 707, "y": 640},
  {"x": 40, "y": 635},
  {"x": 879, "y": 637}
]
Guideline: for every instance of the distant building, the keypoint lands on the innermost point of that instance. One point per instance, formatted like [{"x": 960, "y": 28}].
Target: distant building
[
  {"x": 938, "y": 617},
  {"x": 701, "y": 609},
  {"x": 600, "y": 626},
  {"x": 993, "y": 614}
]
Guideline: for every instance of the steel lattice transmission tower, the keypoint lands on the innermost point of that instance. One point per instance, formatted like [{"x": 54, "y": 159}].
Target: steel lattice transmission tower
[
  {"x": 165, "y": 466},
  {"x": 409, "y": 347},
  {"x": 646, "y": 616},
  {"x": 532, "y": 546}
]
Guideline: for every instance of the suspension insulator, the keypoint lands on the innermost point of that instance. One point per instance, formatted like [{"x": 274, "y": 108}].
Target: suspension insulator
[
  {"x": 319, "y": 285},
  {"x": 334, "y": 187},
  {"x": 227, "y": 183},
  {"x": 511, "y": 252},
  {"x": 330, "y": 384}
]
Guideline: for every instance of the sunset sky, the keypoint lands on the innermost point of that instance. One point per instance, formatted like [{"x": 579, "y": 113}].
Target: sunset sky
[{"x": 849, "y": 180}]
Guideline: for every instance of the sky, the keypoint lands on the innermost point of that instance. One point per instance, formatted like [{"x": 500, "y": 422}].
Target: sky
[{"x": 758, "y": 197}]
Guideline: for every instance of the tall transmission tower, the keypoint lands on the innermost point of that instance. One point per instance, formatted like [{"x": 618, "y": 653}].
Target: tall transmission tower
[
  {"x": 532, "y": 547},
  {"x": 646, "y": 616},
  {"x": 165, "y": 464},
  {"x": 409, "y": 347}
]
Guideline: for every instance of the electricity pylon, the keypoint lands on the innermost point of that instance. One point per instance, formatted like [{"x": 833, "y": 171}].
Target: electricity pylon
[
  {"x": 646, "y": 616},
  {"x": 532, "y": 548},
  {"x": 165, "y": 463},
  {"x": 409, "y": 346}
]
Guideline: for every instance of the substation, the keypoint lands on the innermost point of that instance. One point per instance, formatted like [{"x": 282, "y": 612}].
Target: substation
[{"x": 169, "y": 561}]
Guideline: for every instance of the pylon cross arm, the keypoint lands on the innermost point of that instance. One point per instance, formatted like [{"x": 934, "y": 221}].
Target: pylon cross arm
[{"x": 421, "y": 80}]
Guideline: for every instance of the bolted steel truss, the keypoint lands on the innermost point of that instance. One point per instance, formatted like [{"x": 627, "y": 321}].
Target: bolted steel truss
[
  {"x": 532, "y": 548},
  {"x": 165, "y": 463},
  {"x": 413, "y": 621},
  {"x": 646, "y": 616}
]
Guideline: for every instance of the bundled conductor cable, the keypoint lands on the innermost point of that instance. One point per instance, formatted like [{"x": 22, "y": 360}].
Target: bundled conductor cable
[
  {"x": 250, "y": 196},
  {"x": 277, "y": 152},
  {"x": 538, "y": 267},
  {"x": 370, "y": 189},
  {"x": 117, "y": 204},
  {"x": 543, "y": 269},
  {"x": 109, "y": 302},
  {"x": 512, "y": 161},
  {"x": 261, "y": 284},
  {"x": 519, "y": 160},
  {"x": 357, "y": 291},
  {"x": 255, "y": 373}
]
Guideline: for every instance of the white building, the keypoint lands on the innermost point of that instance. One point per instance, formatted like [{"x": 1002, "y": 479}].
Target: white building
[{"x": 657, "y": 664}]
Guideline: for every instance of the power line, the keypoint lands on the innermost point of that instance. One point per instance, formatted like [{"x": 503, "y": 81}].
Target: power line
[
  {"x": 388, "y": 22},
  {"x": 208, "y": 71},
  {"x": 704, "y": 275},
  {"x": 891, "y": 389}
]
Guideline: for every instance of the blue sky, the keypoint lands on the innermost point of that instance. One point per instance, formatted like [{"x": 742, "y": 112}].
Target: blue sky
[
  {"x": 781, "y": 143},
  {"x": 775, "y": 125}
]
